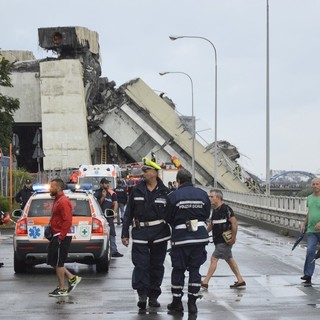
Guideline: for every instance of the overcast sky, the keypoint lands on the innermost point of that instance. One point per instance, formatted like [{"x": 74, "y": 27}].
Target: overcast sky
[{"x": 134, "y": 41}]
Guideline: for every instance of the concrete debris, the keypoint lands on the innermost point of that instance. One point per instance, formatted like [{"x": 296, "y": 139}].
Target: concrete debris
[
  {"x": 65, "y": 40},
  {"x": 107, "y": 97},
  {"x": 230, "y": 150},
  {"x": 17, "y": 55},
  {"x": 27, "y": 66}
]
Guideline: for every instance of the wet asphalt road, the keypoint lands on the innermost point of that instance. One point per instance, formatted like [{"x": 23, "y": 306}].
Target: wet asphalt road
[{"x": 271, "y": 270}]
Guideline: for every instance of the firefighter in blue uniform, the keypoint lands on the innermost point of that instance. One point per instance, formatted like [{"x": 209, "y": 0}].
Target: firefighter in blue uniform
[
  {"x": 190, "y": 210},
  {"x": 147, "y": 211}
]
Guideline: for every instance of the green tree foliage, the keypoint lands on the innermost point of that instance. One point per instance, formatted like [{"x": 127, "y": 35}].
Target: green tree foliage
[{"x": 8, "y": 106}]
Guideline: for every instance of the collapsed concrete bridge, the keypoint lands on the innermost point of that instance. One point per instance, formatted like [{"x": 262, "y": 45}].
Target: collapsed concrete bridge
[{"x": 85, "y": 119}]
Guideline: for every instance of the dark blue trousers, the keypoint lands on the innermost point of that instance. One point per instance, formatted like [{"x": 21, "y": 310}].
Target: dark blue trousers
[
  {"x": 188, "y": 258},
  {"x": 148, "y": 269}
]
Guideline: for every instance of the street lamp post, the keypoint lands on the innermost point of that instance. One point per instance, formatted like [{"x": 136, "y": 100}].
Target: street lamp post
[
  {"x": 267, "y": 109},
  {"x": 193, "y": 121},
  {"x": 215, "y": 105}
]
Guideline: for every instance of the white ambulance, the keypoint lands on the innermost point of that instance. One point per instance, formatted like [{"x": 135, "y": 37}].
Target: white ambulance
[{"x": 93, "y": 173}]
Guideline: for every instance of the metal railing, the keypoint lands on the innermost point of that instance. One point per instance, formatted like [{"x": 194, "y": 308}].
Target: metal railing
[
  {"x": 280, "y": 212},
  {"x": 277, "y": 203},
  {"x": 277, "y": 212}
]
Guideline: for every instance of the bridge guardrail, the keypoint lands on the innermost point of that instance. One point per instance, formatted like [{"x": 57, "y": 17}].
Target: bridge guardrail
[
  {"x": 284, "y": 212},
  {"x": 279, "y": 203}
]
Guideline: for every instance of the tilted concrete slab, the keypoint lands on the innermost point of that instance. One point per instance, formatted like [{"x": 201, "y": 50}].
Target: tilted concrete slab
[{"x": 146, "y": 123}]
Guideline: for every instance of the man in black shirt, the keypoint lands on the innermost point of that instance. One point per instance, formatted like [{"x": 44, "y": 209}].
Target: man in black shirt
[{"x": 222, "y": 219}]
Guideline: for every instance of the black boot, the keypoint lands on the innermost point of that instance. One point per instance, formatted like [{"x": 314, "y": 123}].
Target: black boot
[
  {"x": 153, "y": 302},
  {"x": 142, "y": 303},
  {"x": 175, "y": 305},
  {"x": 192, "y": 307},
  {"x": 306, "y": 278}
]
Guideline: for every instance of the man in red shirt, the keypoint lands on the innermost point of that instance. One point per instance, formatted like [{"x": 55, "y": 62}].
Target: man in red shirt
[{"x": 61, "y": 222}]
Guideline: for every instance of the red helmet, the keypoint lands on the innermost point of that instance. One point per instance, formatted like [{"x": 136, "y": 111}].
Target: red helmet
[{"x": 4, "y": 217}]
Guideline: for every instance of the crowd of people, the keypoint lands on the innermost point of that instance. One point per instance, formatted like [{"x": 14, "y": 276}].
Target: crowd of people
[{"x": 154, "y": 214}]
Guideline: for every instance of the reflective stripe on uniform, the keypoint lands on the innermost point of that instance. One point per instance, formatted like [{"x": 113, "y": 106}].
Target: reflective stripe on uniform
[
  {"x": 155, "y": 241},
  {"x": 138, "y": 198},
  {"x": 176, "y": 287},
  {"x": 193, "y": 294},
  {"x": 139, "y": 241},
  {"x": 162, "y": 239},
  {"x": 219, "y": 221},
  {"x": 194, "y": 284},
  {"x": 160, "y": 200},
  {"x": 176, "y": 243}
]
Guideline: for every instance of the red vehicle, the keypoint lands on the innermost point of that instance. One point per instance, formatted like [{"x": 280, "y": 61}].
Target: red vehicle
[{"x": 132, "y": 172}]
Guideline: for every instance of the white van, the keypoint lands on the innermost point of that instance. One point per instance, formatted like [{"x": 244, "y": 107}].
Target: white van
[{"x": 93, "y": 173}]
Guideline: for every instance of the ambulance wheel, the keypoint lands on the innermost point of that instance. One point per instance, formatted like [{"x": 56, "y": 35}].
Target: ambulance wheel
[
  {"x": 19, "y": 265},
  {"x": 102, "y": 264}
]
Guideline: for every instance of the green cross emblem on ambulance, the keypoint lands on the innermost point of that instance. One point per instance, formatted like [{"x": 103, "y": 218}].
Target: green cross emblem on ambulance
[{"x": 84, "y": 231}]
